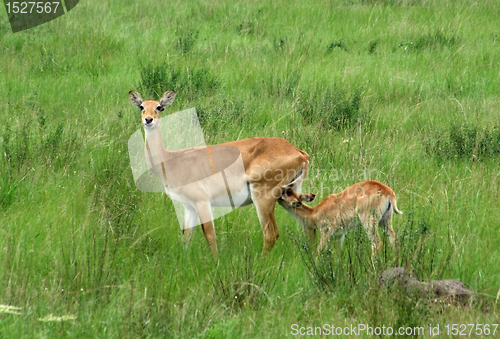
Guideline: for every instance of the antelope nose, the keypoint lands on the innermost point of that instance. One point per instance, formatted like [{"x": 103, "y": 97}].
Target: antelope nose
[{"x": 148, "y": 120}]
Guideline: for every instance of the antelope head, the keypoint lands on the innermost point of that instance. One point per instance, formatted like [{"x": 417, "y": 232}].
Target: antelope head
[
  {"x": 151, "y": 109},
  {"x": 296, "y": 200}
]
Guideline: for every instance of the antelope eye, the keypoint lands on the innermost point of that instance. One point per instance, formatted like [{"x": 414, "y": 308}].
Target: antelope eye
[
  {"x": 159, "y": 108},
  {"x": 141, "y": 107}
]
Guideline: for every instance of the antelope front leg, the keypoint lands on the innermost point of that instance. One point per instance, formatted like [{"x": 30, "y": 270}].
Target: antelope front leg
[
  {"x": 187, "y": 236},
  {"x": 209, "y": 231},
  {"x": 326, "y": 234},
  {"x": 190, "y": 221},
  {"x": 311, "y": 236},
  {"x": 204, "y": 210}
]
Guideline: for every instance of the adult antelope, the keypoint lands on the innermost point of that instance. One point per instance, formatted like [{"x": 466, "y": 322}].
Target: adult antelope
[
  {"x": 371, "y": 201},
  {"x": 269, "y": 165}
]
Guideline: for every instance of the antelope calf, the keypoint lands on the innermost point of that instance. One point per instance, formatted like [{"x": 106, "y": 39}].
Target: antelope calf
[{"x": 371, "y": 201}]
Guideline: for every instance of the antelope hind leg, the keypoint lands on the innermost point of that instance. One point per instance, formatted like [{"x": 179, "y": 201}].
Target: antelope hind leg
[{"x": 264, "y": 203}]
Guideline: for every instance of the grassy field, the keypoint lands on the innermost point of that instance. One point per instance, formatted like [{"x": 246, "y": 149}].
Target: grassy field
[{"x": 401, "y": 91}]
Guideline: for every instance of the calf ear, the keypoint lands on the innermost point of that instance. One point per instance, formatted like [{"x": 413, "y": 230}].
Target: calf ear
[
  {"x": 307, "y": 197},
  {"x": 135, "y": 98},
  {"x": 289, "y": 198},
  {"x": 167, "y": 99}
]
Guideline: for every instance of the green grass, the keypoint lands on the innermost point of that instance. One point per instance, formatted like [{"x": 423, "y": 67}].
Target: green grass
[{"x": 401, "y": 91}]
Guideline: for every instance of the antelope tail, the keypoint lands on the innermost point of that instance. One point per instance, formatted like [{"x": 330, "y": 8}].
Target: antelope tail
[{"x": 394, "y": 206}]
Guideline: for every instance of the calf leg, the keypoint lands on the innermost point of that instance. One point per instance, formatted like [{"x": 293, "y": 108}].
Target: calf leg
[
  {"x": 311, "y": 236},
  {"x": 386, "y": 224},
  {"x": 369, "y": 220}
]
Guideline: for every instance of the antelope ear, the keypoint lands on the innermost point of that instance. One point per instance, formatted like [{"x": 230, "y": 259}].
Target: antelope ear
[
  {"x": 135, "y": 98},
  {"x": 167, "y": 99},
  {"x": 308, "y": 197}
]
